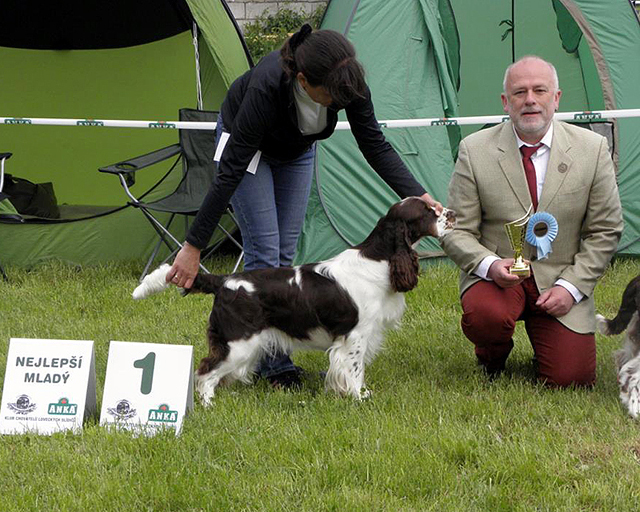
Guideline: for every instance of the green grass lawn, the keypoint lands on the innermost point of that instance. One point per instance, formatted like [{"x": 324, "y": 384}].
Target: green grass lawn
[{"x": 436, "y": 435}]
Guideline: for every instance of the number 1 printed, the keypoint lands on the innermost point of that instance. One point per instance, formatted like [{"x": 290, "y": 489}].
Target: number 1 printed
[{"x": 147, "y": 364}]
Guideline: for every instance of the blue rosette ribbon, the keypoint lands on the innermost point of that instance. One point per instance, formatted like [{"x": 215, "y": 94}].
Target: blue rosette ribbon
[{"x": 542, "y": 243}]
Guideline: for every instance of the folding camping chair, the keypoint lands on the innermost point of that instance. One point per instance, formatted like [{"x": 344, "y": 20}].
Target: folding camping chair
[
  {"x": 195, "y": 150},
  {"x": 7, "y": 213}
]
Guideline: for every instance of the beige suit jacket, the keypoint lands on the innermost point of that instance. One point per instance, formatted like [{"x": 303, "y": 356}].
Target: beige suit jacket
[{"x": 488, "y": 188}]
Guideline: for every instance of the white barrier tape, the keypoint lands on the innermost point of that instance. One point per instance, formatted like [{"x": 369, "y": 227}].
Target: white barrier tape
[
  {"x": 596, "y": 115},
  {"x": 109, "y": 123},
  {"x": 599, "y": 115}
]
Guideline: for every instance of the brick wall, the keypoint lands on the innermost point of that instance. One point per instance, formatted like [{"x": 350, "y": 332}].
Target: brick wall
[{"x": 246, "y": 11}]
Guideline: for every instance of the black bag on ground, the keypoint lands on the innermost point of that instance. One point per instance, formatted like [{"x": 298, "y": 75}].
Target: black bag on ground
[{"x": 37, "y": 199}]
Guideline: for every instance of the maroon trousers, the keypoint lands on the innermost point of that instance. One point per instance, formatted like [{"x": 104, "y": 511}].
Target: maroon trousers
[{"x": 489, "y": 318}]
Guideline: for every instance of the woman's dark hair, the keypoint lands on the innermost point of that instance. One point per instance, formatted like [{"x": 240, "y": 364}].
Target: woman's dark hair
[{"x": 325, "y": 58}]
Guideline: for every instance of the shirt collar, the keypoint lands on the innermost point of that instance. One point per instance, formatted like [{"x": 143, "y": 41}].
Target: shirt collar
[
  {"x": 545, "y": 141},
  {"x": 303, "y": 96}
]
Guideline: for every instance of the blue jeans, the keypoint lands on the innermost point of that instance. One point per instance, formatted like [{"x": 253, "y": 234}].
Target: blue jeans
[{"x": 270, "y": 206}]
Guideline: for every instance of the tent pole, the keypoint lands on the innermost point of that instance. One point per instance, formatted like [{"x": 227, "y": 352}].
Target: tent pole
[
  {"x": 197, "y": 56},
  {"x": 513, "y": 31}
]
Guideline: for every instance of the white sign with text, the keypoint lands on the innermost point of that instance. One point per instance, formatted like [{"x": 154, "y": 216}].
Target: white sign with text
[
  {"x": 49, "y": 386},
  {"x": 148, "y": 386}
]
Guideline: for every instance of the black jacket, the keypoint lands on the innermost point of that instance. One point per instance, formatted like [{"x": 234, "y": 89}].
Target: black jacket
[{"x": 259, "y": 112}]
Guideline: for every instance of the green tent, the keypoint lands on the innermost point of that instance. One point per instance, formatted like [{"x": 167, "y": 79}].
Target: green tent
[
  {"x": 103, "y": 60},
  {"x": 446, "y": 58}
]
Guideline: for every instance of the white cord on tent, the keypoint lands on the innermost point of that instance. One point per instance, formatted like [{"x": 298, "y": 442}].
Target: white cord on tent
[
  {"x": 599, "y": 115},
  {"x": 198, "y": 84},
  {"x": 2, "y": 173}
]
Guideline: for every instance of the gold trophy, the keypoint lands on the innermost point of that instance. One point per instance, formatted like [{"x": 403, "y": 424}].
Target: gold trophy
[{"x": 516, "y": 231}]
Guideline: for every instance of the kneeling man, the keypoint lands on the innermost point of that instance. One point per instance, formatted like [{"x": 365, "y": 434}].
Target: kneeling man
[{"x": 532, "y": 161}]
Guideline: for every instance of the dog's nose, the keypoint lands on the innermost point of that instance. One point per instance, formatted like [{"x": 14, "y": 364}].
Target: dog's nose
[{"x": 450, "y": 215}]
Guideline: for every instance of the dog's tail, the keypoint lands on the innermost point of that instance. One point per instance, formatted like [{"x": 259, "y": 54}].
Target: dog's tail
[
  {"x": 628, "y": 306},
  {"x": 156, "y": 283},
  {"x": 206, "y": 283},
  {"x": 152, "y": 283}
]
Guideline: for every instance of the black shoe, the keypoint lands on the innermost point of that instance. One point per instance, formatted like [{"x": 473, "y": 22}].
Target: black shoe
[
  {"x": 286, "y": 380},
  {"x": 494, "y": 369},
  {"x": 494, "y": 373}
]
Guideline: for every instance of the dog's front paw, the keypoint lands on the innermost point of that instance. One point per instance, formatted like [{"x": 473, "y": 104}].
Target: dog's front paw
[
  {"x": 633, "y": 401},
  {"x": 206, "y": 399},
  {"x": 602, "y": 324},
  {"x": 205, "y": 389},
  {"x": 629, "y": 381},
  {"x": 153, "y": 283},
  {"x": 365, "y": 394}
]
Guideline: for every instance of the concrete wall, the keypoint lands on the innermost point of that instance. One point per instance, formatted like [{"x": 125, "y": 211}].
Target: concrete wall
[{"x": 246, "y": 11}]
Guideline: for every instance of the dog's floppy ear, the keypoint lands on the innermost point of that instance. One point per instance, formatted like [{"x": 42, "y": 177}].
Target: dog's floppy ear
[{"x": 403, "y": 264}]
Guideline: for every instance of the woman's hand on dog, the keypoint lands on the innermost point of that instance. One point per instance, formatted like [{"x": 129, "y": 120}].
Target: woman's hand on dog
[
  {"x": 185, "y": 266},
  {"x": 432, "y": 203}
]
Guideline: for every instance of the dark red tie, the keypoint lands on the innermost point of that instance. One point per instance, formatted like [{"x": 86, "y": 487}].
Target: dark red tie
[{"x": 530, "y": 172}]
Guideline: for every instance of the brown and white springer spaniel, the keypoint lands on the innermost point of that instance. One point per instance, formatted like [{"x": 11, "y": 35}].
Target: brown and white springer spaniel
[
  {"x": 628, "y": 357},
  {"x": 342, "y": 305}
]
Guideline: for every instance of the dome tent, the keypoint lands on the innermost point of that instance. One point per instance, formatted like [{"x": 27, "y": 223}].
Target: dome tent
[
  {"x": 446, "y": 58},
  {"x": 95, "y": 60}
]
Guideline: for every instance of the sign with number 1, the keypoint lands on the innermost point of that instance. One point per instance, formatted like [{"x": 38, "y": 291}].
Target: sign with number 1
[{"x": 148, "y": 386}]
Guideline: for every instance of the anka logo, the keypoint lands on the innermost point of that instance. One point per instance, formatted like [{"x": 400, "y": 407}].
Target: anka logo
[
  {"x": 22, "y": 405},
  {"x": 17, "y": 120},
  {"x": 444, "y": 122},
  {"x": 587, "y": 116},
  {"x": 122, "y": 410},
  {"x": 90, "y": 122},
  {"x": 162, "y": 124},
  {"x": 163, "y": 414},
  {"x": 63, "y": 408}
]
